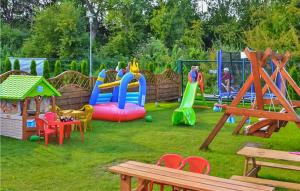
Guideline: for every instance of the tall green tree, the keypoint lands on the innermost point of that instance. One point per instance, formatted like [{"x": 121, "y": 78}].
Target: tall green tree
[
  {"x": 57, "y": 68},
  {"x": 16, "y": 64},
  {"x": 46, "y": 69},
  {"x": 58, "y": 31},
  {"x": 171, "y": 18},
  {"x": 84, "y": 67},
  {"x": 73, "y": 65},
  {"x": 33, "y": 68},
  {"x": 7, "y": 65}
]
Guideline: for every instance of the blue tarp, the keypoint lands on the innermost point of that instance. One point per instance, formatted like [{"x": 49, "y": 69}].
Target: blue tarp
[{"x": 25, "y": 64}]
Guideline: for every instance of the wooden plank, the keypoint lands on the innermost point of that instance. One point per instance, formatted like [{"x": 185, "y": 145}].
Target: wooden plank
[
  {"x": 188, "y": 176},
  {"x": 268, "y": 154},
  {"x": 275, "y": 183},
  {"x": 256, "y": 80},
  {"x": 257, "y": 126},
  {"x": 237, "y": 130},
  {"x": 284, "y": 102},
  {"x": 277, "y": 165},
  {"x": 260, "y": 113},
  {"x": 164, "y": 179},
  {"x": 286, "y": 76},
  {"x": 215, "y": 131},
  {"x": 195, "y": 175}
]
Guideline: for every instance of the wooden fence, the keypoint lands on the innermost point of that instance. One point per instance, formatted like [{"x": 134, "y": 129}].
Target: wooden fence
[{"x": 76, "y": 88}]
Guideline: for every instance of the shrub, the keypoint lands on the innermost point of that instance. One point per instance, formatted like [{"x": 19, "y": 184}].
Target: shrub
[
  {"x": 57, "y": 68},
  {"x": 73, "y": 65},
  {"x": 151, "y": 67},
  {"x": 168, "y": 66},
  {"x": 46, "y": 70},
  {"x": 16, "y": 64},
  {"x": 294, "y": 73},
  {"x": 7, "y": 65},
  {"x": 102, "y": 66},
  {"x": 84, "y": 67},
  {"x": 33, "y": 68}
]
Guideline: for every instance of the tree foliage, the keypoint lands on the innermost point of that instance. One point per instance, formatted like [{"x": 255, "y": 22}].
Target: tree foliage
[
  {"x": 57, "y": 68},
  {"x": 46, "y": 69},
  {"x": 33, "y": 68},
  {"x": 7, "y": 65},
  {"x": 16, "y": 64},
  {"x": 58, "y": 31}
]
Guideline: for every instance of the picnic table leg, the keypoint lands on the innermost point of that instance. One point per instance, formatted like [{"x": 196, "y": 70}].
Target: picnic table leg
[
  {"x": 246, "y": 166},
  {"x": 142, "y": 185},
  {"x": 125, "y": 183},
  {"x": 81, "y": 133}
]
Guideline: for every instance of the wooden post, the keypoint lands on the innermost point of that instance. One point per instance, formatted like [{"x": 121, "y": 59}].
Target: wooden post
[
  {"x": 214, "y": 132},
  {"x": 38, "y": 101},
  {"x": 24, "y": 117},
  {"x": 125, "y": 183},
  {"x": 53, "y": 104}
]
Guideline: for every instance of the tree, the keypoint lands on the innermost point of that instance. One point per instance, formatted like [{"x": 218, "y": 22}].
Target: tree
[
  {"x": 61, "y": 36},
  {"x": 277, "y": 26},
  {"x": 33, "y": 68},
  {"x": 171, "y": 18},
  {"x": 295, "y": 74},
  {"x": 73, "y": 65},
  {"x": 46, "y": 69},
  {"x": 57, "y": 68},
  {"x": 7, "y": 65},
  {"x": 84, "y": 67},
  {"x": 16, "y": 64}
]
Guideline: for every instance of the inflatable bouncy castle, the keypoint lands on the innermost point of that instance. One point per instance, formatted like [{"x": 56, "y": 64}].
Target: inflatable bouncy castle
[{"x": 120, "y": 105}]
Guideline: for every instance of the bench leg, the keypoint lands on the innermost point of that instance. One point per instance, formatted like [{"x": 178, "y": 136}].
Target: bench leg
[
  {"x": 125, "y": 183},
  {"x": 254, "y": 169},
  {"x": 142, "y": 185}
]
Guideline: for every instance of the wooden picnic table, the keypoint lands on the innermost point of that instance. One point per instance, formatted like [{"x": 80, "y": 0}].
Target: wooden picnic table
[
  {"x": 146, "y": 173},
  {"x": 252, "y": 165}
]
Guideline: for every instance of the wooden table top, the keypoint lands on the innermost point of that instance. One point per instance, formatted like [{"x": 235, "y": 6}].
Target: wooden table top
[
  {"x": 268, "y": 154},
  {"x": 182, "y": 179}
]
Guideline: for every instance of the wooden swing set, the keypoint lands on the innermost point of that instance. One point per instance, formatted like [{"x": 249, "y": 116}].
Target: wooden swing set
[{"x": 269, "y": 121}]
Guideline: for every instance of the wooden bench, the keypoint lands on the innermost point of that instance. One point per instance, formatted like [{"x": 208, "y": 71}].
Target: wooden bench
[
  {"x": 275, "y": 183},
  {"x": 252, "y": 165},
  {"x": 145, "y": 173}
]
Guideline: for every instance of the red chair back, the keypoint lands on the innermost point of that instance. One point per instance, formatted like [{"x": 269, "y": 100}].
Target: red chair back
[
  {"x": 196, "y": 164},
  {"x": 170, "y": 161},
  {"x": 41, "y": 124},
  {"x": 50, "y": 116}
]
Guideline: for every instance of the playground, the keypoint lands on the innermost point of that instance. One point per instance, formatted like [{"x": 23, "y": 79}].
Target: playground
[{"x": 82, "y": 166}]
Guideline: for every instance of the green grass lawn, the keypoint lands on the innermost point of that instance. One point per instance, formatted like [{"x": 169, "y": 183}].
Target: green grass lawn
[{"x": 80, "y": 165}]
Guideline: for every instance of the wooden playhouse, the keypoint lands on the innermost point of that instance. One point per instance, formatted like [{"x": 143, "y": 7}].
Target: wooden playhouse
[{"x": 22, "y": 99}]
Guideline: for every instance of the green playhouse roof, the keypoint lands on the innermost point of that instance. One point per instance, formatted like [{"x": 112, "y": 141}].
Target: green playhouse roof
[{"x": 18, "y": 87}]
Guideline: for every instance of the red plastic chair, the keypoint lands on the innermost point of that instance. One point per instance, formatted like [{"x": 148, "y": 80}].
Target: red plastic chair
[
  {"x": 50, "y": 116},
  {"x": 170, "y": 161},
  {"x": 196, "y": 164},
  {"x": 43, "y": 129}
]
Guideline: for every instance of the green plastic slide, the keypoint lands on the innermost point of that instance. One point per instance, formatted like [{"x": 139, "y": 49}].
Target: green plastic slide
[{"x": 185, "y": 113}]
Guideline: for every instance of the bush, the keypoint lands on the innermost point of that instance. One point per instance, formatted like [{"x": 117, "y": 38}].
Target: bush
[
  {"x": 16, "y": 64},
  {"x": 73, "y": 65},
  {"x": 7, "y": 65},
  {"x": 168, "y": 66},
  {"x": 57, "y": 68},
  {"x": 84, "y": 67},
  {"x": 33, "y": 68},
  {"x": 46, "y": 70},
  {"x": 151, "y": 67}
]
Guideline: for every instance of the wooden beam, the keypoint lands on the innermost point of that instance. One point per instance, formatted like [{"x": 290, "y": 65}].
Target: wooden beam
[
  {"x": 260, "y": 124},
  {"x": 261, "y": 113},
  {"x": 24, "y": 117},
  {"x": 214, "y": 132},
  {"x": 287, "y": 77},
  {"x": 240, "y": 125},
  {"x": 284, "y": 102}
]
